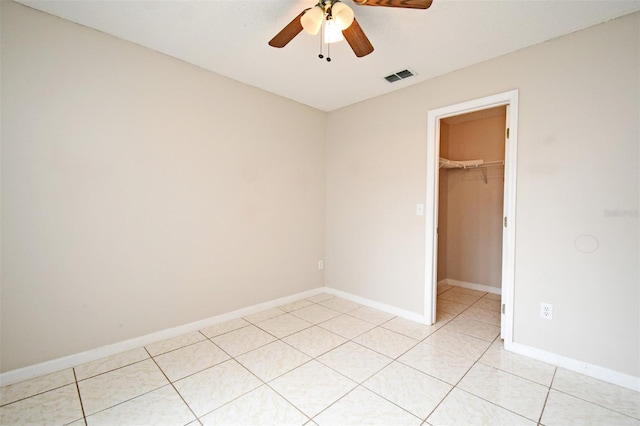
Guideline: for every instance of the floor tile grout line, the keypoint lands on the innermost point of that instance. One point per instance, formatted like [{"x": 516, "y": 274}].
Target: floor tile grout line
[
  {"x": 464, "y": 356},
  {"x": 75, "y": 379},
  {"x": 474, "y": 305},
  {"x": 263, "y": 319},
  {"x": 426, "y": 374},
  {"x": 396, "y": 359},
  {"x": 550, "y": 385},
  {"x": 333, "y": 403},
  {"x": 315, "y": 358},
  {"x": 279, "y": 338},
  {"x": 37, "y": 393},
  {"x": 273, "y": 335},
  {"x": 439, "y": 403},
  {"x": 289, "y": 402},
  {"x": 113, "y": 369},
  {"x": 353, "y": 380},
  {"x": 263, "y": 383},
  {"x": 511, "y": 373},
  {"x": 455, "y": 386},
  {"x": 321, "y": 353},
  {"x": 458, "y": 315},
  {"x": 493, "y": 403},
  {"x": 174, "y": 388},
  {"x": 177, "y": 348},
  {"x": 180, "y": 348},
  {"x": 345, "y": 337},
  {"x": 359, "y": 385},
  {"x": 253, "y": 349},
  {"x": 319, "y": 324},
  {"x": 230, "y": 331},
  {"x": 546, "y": 398},
  {"x": 203, "y": 335},
  {"x": 374, "y": 323},
  {"x": 127, "y": 400},
  {"x": 595, "y": 403},
  {"x": 268, "y": 384},
  {"x": 380, "y": 353},
  {"x": 388, "y": 400},
  {"x": 292, "y": 313},
  {"x": 196, "y": 372},
  {"x": 311, "y": 358},
  {"x": 231, "y": 358},
  {"x": 484, "y": 399}
]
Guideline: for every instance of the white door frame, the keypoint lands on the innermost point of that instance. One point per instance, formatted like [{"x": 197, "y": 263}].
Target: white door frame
[{"x": 510, "y": 99}]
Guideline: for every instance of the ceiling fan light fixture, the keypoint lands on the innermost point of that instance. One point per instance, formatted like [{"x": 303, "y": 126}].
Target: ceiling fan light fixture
[
  {"x": 312, "y": 20},
  {"x": 332, "y": 32},
  {"x": 342, "y": 15},
  {"x": 339, "y": 22}
]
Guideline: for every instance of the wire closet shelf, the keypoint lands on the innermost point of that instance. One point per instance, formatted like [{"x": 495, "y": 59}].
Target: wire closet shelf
[{"x": 470, "y": 164}]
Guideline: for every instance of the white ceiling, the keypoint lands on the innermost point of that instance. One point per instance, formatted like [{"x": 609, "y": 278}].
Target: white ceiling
[{"x": 230, "y": 37}]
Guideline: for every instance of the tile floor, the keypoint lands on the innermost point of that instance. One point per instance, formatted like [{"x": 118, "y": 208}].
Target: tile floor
[{"x": 326, "y": 361}]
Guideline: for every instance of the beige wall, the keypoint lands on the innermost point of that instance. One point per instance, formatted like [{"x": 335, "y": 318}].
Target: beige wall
[
  {"x": 473, "y": 218},
  {"x": 141, "y": 193},
  {"x": 577, "y": 160}
]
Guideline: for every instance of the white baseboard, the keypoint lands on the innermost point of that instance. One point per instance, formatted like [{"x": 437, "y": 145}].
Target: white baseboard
[
  {"x": 471, "y": 286},
  {"x": 591, "y": 370},
  {"x": 14, "y": 376},
  {"x": 380, "y": 306},
  {"x": 70, "y": 361}
]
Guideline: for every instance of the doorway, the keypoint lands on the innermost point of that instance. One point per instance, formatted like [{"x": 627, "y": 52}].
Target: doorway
[
  {"x": 470, "y": 205},
  {"x": 500, "y": 272}
]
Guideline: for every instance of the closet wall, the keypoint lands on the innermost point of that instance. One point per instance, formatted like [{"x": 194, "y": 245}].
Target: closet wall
[
  {"x": 443, "y": 204},
  {"x": 471, "y": 200}
]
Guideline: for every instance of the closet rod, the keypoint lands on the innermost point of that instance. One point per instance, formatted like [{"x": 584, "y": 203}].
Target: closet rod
[{"x": 468, "y": 164}]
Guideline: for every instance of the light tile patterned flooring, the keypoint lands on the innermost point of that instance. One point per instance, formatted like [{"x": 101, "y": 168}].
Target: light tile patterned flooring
[{"x": 326, "y": 361}]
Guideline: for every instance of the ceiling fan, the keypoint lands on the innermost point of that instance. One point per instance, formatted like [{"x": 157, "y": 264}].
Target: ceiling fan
[{"x": 339, "y": 21}]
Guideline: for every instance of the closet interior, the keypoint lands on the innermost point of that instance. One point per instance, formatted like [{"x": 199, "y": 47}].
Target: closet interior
[{"x": 470, "y": 200}]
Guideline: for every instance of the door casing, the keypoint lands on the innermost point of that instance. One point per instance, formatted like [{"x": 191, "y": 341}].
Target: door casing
[{"x": 510, "y": 100}]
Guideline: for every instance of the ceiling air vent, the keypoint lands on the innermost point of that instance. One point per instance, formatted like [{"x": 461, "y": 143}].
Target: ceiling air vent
[{"x": 400, "y": 75}]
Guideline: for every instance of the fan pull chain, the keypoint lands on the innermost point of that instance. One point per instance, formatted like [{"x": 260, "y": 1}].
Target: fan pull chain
[
  {"x": 321, "y": 56},
  {"x": 321, "y": 38}
]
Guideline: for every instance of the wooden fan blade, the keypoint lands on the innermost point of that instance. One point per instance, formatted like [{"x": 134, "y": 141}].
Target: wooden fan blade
[
  {"x": 357, "y": 39},
  {"x": 410, "y": 4},
  {"x": 287, "y": 34}
]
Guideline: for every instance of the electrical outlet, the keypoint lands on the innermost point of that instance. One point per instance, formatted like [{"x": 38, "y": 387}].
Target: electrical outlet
[
  {"x": 546, "y": 310},
  {"x": 320, "y": 264}
]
